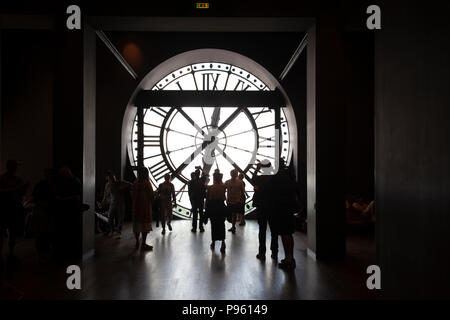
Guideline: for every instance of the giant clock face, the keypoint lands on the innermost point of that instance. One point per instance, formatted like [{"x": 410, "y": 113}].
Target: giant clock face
[{"x": 243, "y": 135}]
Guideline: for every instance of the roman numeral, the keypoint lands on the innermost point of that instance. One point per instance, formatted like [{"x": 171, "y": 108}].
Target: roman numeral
[
  {"x": 241, "y": 84},
  {"x": 251, "y": 169},
  {"x": 159, "y": 111},
  {"x": 158, "y": 170},
  {"x": 208, "y": 79},
  {"x": 179, "y": 86},
  {"x": 151, "y": 141}
]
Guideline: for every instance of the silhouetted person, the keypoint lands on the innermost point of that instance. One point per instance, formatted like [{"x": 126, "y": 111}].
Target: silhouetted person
[
  {"x": 68, "y": 219},
  {"x": 156, "y": 208},
  {"x": 262, "y": 201},
  {"x": 116, "y": 211},
  {"x": 143, "y": 196},
  {"x": 196, "y": 190},
  {"x": 235, "y": 188},
  {"x": 12, "y": 190},
  {"x": 166, "y": 196},
  {"x": 283, "y": 189},
  {"x": 43, "y": 223},
  {"x": 216, "y": 210},
  {"x": 204, "y": 178},
  {"x": 105, "y": 203},
  {"x": 242, "y": 202}
]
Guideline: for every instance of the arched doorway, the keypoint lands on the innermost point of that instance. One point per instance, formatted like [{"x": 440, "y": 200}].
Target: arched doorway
[{"x": 173, "y": 135}]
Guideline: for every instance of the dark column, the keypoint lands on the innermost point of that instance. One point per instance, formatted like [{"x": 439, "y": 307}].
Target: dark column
[
  {"x": 1, "y": 117},
  {"x": 68, "y": 101},
  {"x": 326, "y": 139},
  {"x": 68, "y": 97},
  {"x": 89, "y": 124},
  {"x": 277, "y": 129},
  {"x": 140, "y": 136},
  {"x": 311, "y": 140}
]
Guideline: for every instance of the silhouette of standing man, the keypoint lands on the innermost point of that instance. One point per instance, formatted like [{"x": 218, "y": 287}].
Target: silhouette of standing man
[
  {"x": 166, "y": 197},
  {"x": 284, "y": 201},
  {"x": 197, "y": 191},
  {"x": 235, "y": 188},
  {"x": 262, "y": 200}
]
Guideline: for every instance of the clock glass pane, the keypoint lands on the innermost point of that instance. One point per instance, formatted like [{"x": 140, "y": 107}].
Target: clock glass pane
[{"x": 173, "y": 134}]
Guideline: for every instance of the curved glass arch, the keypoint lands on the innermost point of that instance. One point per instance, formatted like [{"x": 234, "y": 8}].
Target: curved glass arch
[{"x": 173, "y": 133}]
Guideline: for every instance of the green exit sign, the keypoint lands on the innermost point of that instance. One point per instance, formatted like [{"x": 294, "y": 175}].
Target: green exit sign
[{"x": 202, "y": 5}]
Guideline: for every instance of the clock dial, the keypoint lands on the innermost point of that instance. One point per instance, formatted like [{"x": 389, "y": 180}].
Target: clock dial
[{"x": 177, "y": 139}]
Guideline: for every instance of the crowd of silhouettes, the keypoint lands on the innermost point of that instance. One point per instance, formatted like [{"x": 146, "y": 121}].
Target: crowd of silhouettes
[
  {"x": 275, "y": 200},
  {"x": 55, "y": 206},
  {"x": 51, "y": 214}
]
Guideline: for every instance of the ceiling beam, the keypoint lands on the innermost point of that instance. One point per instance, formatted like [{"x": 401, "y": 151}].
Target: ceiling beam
[
  {"x": 116, "y": 53},
  {"x": 294, "y": 57},
  {"x": 26, "y": 21},
  {"x": 201, "y": 24},
  {"x": 150, "y": 98}
]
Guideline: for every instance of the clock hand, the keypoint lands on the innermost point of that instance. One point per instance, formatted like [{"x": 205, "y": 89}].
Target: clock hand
[
  {"x": 219, "y": 149},
  {"x": 191, "y": 158},
  {"x": 189, "y": 119},
  {"x": 230, "y": 118},
  {"x": 213, "y": 132},
  {"x": 215, "y": 117},
  {"x": 206, "y": 166},
  {"x": 204, "y": 118}
]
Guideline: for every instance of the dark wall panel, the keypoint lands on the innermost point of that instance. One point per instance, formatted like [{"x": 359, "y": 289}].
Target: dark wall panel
[
  {"x": 68, "y": 98},
  {"x": 27, "y": 101},
  {"x": 359, "y": 124},
  {"x": 330, "y": 137},
  {"x": 412, "y": 154}
]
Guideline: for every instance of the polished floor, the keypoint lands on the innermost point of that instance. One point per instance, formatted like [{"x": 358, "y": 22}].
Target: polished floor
[
  {"x": 182, "y": 266},
  {"x": 31, "y": 280}
]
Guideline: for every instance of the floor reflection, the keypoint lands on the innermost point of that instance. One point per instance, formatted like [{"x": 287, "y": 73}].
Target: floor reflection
[{"x": 182, "y": 266}]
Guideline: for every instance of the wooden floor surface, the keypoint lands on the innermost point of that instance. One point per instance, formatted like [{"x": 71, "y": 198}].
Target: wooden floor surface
[{"x": 182, "y": 266}]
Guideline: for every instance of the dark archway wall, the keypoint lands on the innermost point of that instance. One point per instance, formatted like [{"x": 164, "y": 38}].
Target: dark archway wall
[
  {"x": 68, "y": 98},
  {"x": 272, "y": 51},
  {"x": 359, "y": 125},
  {"x": 27, "y": 101},
  {"x": 412, "y": 150},
  {"x": 66, "y": 51},
  {"x": 41, "y": 120}
]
